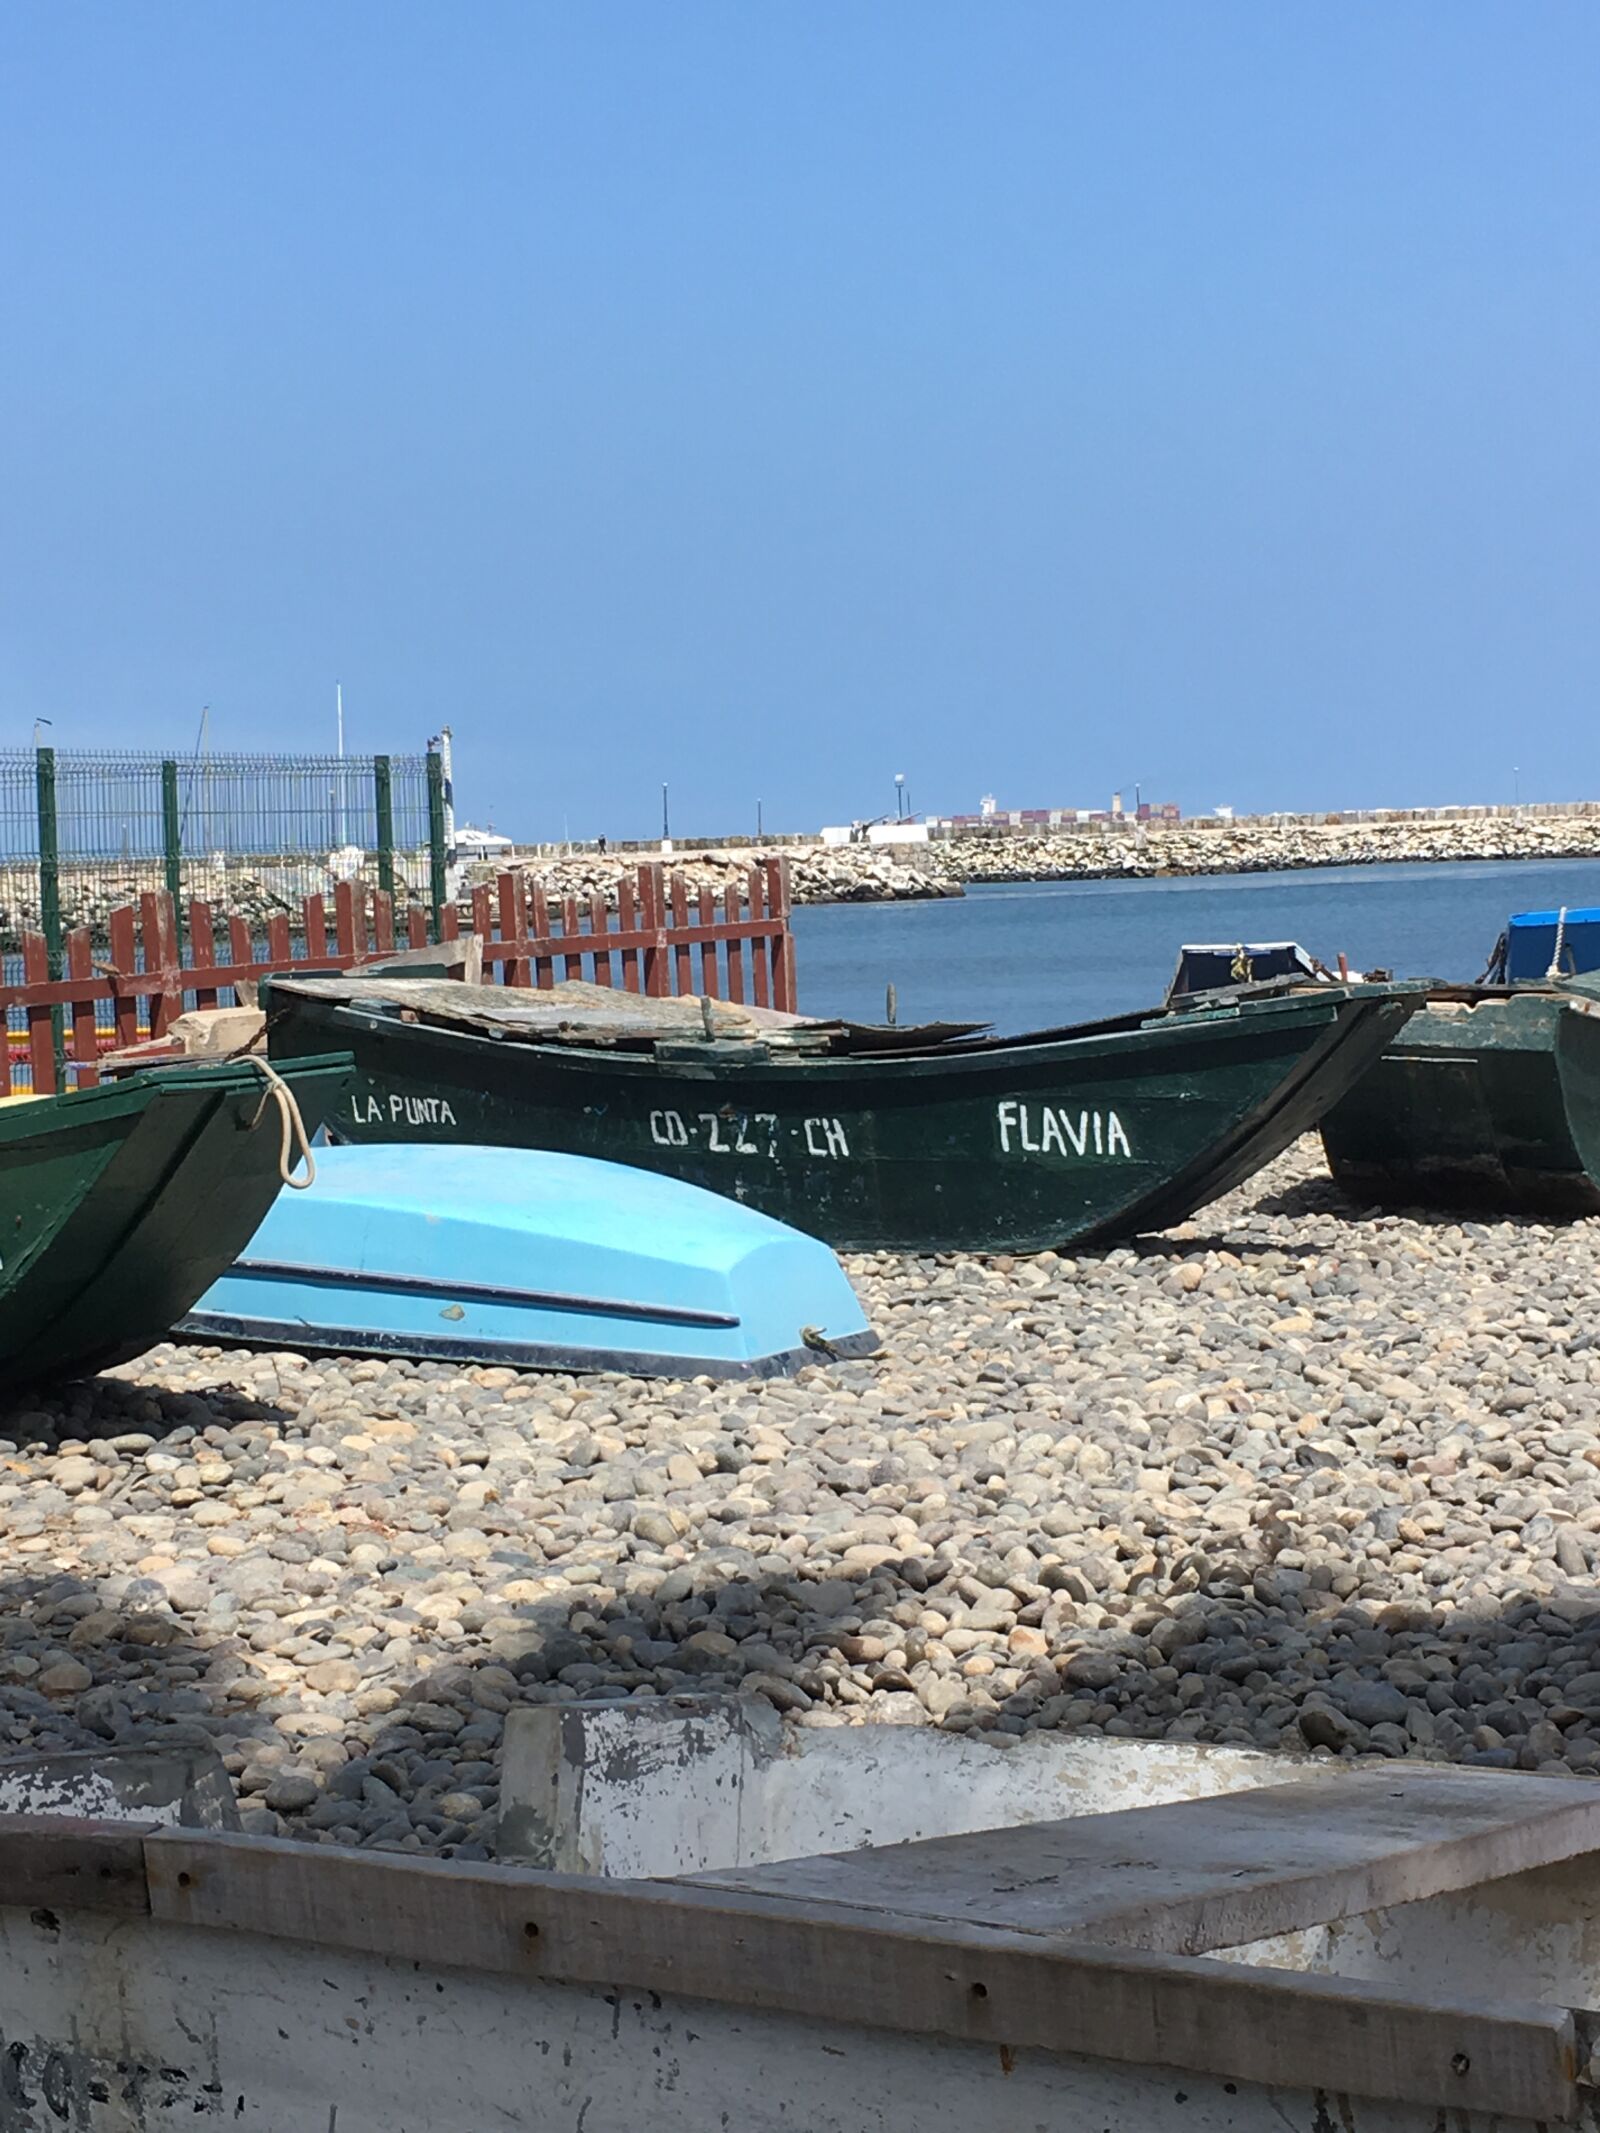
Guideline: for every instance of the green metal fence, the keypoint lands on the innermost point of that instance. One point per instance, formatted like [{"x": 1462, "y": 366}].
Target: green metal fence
[{"x": 81, "y": 832}]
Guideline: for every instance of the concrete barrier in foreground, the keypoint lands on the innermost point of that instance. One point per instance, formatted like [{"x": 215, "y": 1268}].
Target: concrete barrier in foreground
[{"x": 1390, "y": 1950}]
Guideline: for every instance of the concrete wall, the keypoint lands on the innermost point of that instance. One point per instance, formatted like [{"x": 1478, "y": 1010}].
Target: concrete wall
[
  {"x": 133, "y": 2027},
  {"x": 677, "y": 1785}
]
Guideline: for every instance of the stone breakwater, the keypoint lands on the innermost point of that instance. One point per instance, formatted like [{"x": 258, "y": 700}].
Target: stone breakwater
[
  {"x": 1295, "y": 1475},
  {"x": 857, "y": 873},
  {"x": 818, "y": 873},
  {"x": 1268, "y": 847},
  {"x": 947, "y": 866}
]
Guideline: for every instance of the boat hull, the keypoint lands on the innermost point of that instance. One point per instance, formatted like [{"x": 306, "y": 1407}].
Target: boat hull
[
  {"x": 120, "y": 1204},
  {"x": 533, "y": 1260},
  {"x": 1493, "y": 1106},
  {"x": 1066, "y": 1139}
]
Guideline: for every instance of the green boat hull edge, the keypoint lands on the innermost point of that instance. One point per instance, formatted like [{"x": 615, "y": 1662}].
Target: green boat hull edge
[
  {"x": 120, "y": 1205},
  {"x": 1060, "y": 1140},
  {"x": 1492, "y": 1106}
]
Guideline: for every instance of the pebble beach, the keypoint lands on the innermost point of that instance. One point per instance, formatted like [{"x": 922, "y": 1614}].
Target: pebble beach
[{"x": 1297, "y": 1475}]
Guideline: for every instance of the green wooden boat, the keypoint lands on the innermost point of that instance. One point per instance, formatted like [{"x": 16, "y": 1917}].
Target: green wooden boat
[
  {"x": 120, "y": 1205},
  {"x": 870, "y": 1139},
  {"x": 1488, "y": 1098}
]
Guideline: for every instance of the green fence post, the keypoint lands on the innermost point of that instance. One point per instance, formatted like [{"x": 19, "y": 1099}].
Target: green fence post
[
  {"x": 172, "y": 843},
  {"x": 383, "y": 806},
  {"x": 50, "y": 895},
  {"x": 436, "y": 852}
]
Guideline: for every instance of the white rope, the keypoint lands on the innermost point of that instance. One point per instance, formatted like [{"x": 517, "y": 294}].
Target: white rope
[
  {"x": 1561, "y": 941},
  {"x": 291, "y": 1123}
]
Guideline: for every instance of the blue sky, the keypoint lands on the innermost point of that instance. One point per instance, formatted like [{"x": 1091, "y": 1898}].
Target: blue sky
[{"x": 770, "y": 398}]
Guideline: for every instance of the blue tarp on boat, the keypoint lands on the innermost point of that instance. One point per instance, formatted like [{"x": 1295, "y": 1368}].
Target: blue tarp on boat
[
  {"x": 1542, "y": 944},
  {"x": 1211, "y": 965}
]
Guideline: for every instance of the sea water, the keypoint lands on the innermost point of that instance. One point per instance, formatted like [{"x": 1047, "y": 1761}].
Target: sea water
[{"x": 1040, "y": 953}]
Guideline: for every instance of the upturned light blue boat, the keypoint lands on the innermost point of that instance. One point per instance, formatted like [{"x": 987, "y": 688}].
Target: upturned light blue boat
[{"x": 537, "y": 1260}]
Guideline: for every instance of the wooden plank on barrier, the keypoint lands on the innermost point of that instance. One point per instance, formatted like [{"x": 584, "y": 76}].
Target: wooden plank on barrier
[
  {"x": 732, "y": 916},
  {"x": 66, "y": 1863},
  {"x": 483, "y": 927},
  {"x": 571, "y": 965},
  {"x": 241, "y": 949},
  {"x": 344, "y": 922},
  {"x": 682, "y": 953},
  {"x": 124, "y": 958},
  {"x": 41, "y": 1043},
  {"x": 203, "y": 947},
  {"x": 599, "y": 930},
  {"x": 785, "y": 989},
  {"x": 760, "y": 965},
  {"x": 944, "y": 1979},
  {"x": 358, "y": 906},
  {"x": 708, "y": 947},
  {"x": 515, "y": 968},
  {"x": 652, "y": 899},
  {"x": 315, "y": 913},
  {"x": 84, "y": 1048},
  {"x": 627, "y": 920},
  {"x": 382, "y": 922},
  {"x": 157, "y": 1008},
  {"x": 544, "y": 971}
]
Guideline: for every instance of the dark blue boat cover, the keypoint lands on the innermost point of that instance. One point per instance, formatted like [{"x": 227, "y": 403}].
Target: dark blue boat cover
[
  {"x": 1542, "y": 944},
  {"x": 1206, "y": 967}
]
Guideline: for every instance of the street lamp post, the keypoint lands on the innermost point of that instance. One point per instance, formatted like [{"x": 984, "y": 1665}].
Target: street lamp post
[
  {"x": 899, "y": 796},
  {"x": 666, "y": 831}
]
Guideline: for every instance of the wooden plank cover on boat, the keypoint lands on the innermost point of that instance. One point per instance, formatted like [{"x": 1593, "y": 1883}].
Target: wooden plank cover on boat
[
  {"x": 572, "y": 1008},
  {"x": 1214, "y": 1873}
]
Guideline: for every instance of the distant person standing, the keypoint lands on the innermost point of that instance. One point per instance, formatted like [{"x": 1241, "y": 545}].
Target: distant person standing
[{"x": 600, "y": 844}]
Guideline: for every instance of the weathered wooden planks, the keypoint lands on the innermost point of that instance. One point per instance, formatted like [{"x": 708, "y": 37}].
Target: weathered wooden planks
[
  {"x": 936, "y": 1979},
  {"x": 1215, "y": 1873},
  {"x": 58, "y": 1861},
  {"x": 878, "y": 1965}
]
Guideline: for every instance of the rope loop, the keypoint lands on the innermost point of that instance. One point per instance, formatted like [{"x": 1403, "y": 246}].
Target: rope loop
[{"x": 294, "y": 1145}]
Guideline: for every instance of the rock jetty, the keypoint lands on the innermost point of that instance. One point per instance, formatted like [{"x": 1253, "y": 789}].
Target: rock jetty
[
  {"x": 1297, "y": 1475},
  {"x": 857, "y": 873},
  {"x": 818, "y": 873},
  {"x": 860, "y": 873},
  {"x": 1263, "y": 846}
]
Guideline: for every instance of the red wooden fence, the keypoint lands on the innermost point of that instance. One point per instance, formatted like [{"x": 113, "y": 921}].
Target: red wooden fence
[{"x": 650, "y": 944}]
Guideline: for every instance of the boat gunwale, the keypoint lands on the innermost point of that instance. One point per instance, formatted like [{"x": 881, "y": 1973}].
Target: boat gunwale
[
  {"x": 229, "y": 1329},
  {"x": 1151, "y": 1033}
]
